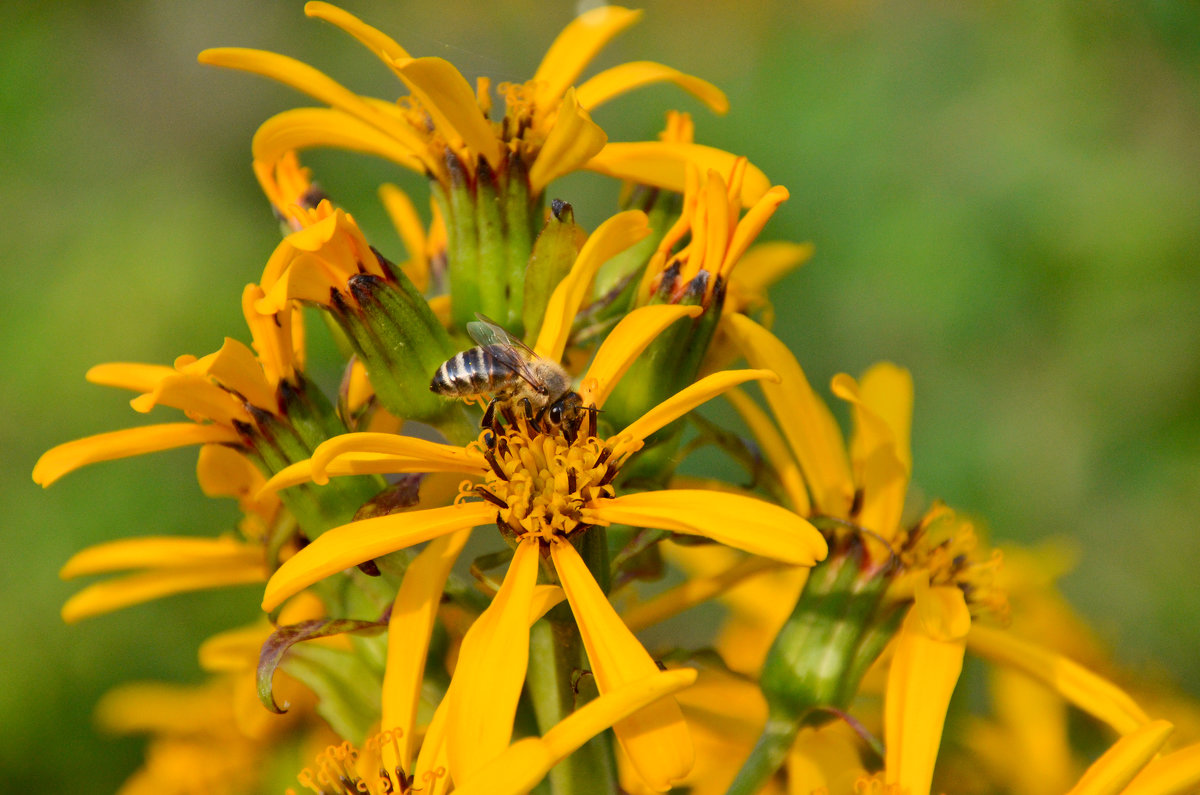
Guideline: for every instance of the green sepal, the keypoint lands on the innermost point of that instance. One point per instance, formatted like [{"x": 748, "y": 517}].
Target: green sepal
[
  {"x": 462, "y": 243},
  {"x": 522, "y": 213},
  {"x": 490, "y": 242},
  {"x": 554, "y": 253},
  {"x": 400, "y": 342}
]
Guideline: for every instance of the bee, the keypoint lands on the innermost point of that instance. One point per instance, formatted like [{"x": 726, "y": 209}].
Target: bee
[{"x": 512, "y": 373}]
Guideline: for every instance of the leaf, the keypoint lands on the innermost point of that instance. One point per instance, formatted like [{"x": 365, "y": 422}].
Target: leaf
[{"x": 283, "y": 638}]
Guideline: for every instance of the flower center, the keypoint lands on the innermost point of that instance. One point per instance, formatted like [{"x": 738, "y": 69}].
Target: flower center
[{"x": 541, "y": 479}]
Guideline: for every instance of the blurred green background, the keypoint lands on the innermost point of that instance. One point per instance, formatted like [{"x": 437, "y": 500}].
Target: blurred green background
[{"x": 1005, "y": 197}]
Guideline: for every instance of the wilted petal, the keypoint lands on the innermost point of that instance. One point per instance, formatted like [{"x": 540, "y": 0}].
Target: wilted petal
[{"x": 745, "y": 523}]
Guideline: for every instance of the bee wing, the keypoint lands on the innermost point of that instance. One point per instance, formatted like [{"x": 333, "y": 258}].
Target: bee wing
[{"x": 506, "y": 349}]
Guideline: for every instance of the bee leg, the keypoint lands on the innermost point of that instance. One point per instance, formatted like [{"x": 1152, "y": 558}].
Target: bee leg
[
  {"x": 527, "y": 409},
  {"x": 489, "y": 415}
]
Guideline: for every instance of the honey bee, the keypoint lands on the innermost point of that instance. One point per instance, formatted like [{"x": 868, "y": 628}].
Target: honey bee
[{"x": 512, "y": 373}]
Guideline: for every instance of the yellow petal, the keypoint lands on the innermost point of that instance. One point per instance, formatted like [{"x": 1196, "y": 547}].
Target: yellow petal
[
  {"x": 879, "y": 469},
  {"x": 70, "y": 456},
  {"x": 1109, "y": 774},
  {"x": 773, "y": 448},
  {"x": 805, "y": 420},
  {"x": 745, "y": 523},
  {"x": 688, "y": 398},
  {"x": 625, "y": 343},
  {"x": 1177, "y": 773},
  {"x": 766, "y": 263},
  {"x": 491, "y": 670},
  {"x": 610, "y": 238},
  {"x": 408, "y": 224},
  {"x": 750, "y": 225},
  {"x": 353, "y": 543},
  {"x": 375, "y": 40},
  {"x": 664, "y": 165},
  {"x": 828, "y": 759},
  {"x": 888, "y": 390},
  {"x": 450, "y": 102},
  {"x": 572, "y": 141},
  {"x": 693, "y": 591},
  {"x": 360, "y": 464},
  {"x": 920, "y": 681},
  {"x": 169, "y": 552},
  {"x": 307, "y": 128},
  {"x": 519, "y": 769},
  {"x": 437, "y": 456},
  {"x": 237, "y": 369},
  {"x": 941, "y": 611},
  {"x": 618, "y": 80},
  {"x": 409, "y": 630},
  {"x": 655, "y": 738},
  {"x": 115, "y": 594},
  {"x": 299, "y": 76},
  {"x": 574, "y": 48},
  {"x": 273, "y": 336},
  {"x": 1090, "y": 692},
  {"x": 196, "y": 396},
  {"x": 129, "y": 375}
]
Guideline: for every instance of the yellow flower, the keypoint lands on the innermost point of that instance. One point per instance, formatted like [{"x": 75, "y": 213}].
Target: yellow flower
[
  {"x": 225, "y": 395},
  {"x": 444, "y": 123},
  {"x": 515, "y": 770},
  {"x": 541, "y": 489}
]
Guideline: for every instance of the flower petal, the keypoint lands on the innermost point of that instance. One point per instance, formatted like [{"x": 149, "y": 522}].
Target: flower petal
[
  {"x": 745, "y": 523},
  {"x": 625, "y": 343},
  {"x": 121, "y": 592},
  {"x": 574, "y": 48},
  {"x": 805, "y": 420},
  {"x": 129, "y": 375},
  {"x": 308, "y": 128},
  {"x": 663, "y": 164},
  {"x": 921, "y": 679},
  {"x": 610, "y": 238},
  {"x": 491, "y": 670},
  {"x": 299, "y": 76},
  {"x": 409, "y": 630},
  {"x": 1090, "y": 692},
  {"x": 450, "y": 101},
  {"x": 353, "y": 543},
  {"x": 67, "y": 457},
  {"x": 766, "y": 263},
  {"x": 1109, "y": 774},
  {"x": 773, "y": 448},
  {"x": 688, "y": 398},
  {"x": 751, "y": 224},
  {"x": 693, "y": 591},
  {"x": 440, "y": 457},
  {"x": 373, "y": 39},
  {"x": 603, "y": 86},
  {"x": 1176, "y": 773},
  {"x": 573, "y": 140},
  {"x": 526, "y": 762},
  {"x": 167, "y": 552},
  {"x": 655, "y": 737}
]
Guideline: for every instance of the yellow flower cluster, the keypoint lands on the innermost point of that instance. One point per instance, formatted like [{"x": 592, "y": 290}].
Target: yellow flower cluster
[{"x": 451, "y": 602}]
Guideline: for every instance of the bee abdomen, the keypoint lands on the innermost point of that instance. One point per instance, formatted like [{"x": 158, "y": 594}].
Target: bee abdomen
[{"x": 468, "y": 373}]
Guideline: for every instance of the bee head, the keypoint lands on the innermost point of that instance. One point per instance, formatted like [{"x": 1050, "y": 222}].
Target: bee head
[{"x": 565, "y": 409}]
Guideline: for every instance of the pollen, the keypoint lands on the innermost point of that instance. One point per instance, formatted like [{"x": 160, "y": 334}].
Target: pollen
[
  {"x": 342, "y": 769},
  {"x": 541, "y": 479}
]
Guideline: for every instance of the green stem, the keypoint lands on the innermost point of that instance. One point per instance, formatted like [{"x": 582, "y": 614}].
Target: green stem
[
  {"x": 555, "y": 655},
  {"x": 768, "y": 756}
]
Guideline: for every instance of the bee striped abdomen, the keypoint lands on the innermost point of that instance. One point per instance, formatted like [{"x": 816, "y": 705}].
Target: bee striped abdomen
[{"x": 471, "y": 372}]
